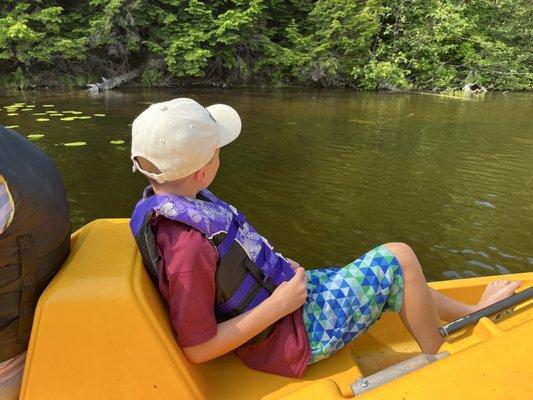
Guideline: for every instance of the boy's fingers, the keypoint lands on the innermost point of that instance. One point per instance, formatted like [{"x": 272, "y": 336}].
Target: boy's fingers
[{"x": 299, "y": 274}]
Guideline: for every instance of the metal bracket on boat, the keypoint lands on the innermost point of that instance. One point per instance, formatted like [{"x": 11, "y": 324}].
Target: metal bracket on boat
[{"x": 366, "y": 383}]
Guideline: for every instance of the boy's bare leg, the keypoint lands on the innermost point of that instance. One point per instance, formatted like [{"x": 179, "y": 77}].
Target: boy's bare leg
[
  {"x": 418, "y": 312},
  {"x": 422, "y": 306},
  {"x": 450, "y": 309}
]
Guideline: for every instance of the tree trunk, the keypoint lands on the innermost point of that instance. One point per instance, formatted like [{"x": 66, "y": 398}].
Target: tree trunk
[{"x": 108, "y": 84}]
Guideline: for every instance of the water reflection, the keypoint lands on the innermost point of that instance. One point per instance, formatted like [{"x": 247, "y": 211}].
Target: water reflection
[{"x": 328, "y": 175}]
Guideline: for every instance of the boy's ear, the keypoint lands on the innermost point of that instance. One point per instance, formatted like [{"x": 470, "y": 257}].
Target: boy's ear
[{"x": 200, "y": 175}]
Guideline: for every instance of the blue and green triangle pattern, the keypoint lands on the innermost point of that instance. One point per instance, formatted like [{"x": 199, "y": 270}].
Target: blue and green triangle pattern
[{"x": 342, "y": 303}]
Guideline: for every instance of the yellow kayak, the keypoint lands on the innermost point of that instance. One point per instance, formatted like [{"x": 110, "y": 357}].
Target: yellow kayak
[{"x": 101, "y": 331}]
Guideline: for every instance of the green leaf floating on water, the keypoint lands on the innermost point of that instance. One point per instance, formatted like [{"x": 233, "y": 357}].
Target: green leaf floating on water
[
  {"x": 73, "y": 112},
  {"x": 75, "y": 144},
  {"x": 83, "y": 117},
  {"x": 39, "y": 114},
  {"x": 35, "y": 136},
  {"x": 56, "y": 115},
  {"x": 68, "y": 119},
  {"x": 11, "y": 126},
  {"x": 12, "y": 114},
  {"x": 42, "y": 119},
  {"x": 99, "y": 115},
  {"x": 48, "y": 105},
  {"x": 117, "y": 142},
  {"x": 26, "y": 109}
]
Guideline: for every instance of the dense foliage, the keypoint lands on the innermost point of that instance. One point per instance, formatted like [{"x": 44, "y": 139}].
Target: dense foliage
[{"x": 370, "y": 44}]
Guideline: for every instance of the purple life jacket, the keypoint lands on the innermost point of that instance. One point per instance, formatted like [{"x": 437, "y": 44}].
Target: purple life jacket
[{"x": 248, "y": 268}]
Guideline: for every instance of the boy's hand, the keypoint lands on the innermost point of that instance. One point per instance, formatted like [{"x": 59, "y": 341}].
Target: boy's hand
[
  {"x": 293, "y": 264},
  {"x": 291, "y": 295}
]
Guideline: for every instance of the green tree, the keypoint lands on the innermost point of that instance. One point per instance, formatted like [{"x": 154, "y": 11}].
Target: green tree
[{"x": 368, "y": 44}]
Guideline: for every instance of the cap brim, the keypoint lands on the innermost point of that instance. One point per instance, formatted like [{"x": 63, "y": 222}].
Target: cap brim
[{"x": 229, "y": 121}]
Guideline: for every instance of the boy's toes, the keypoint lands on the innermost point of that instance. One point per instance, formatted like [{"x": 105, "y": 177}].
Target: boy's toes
[
  {"x": 496, "y": 291},
  {"x": 514, "y": 284}
]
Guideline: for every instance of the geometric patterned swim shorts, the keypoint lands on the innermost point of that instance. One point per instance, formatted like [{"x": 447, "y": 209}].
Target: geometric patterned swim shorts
[{"x": 342, "y": 303}]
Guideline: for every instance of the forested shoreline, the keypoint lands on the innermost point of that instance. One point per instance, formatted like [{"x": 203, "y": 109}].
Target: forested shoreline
[{"x": 365, "y": 44}]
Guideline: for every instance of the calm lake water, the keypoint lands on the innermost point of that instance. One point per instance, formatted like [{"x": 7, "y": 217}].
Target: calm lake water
[{"x": 328, "y": 175}]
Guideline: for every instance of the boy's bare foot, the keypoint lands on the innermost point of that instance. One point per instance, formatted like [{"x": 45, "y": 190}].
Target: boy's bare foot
[{"x": 496, "y": 291}]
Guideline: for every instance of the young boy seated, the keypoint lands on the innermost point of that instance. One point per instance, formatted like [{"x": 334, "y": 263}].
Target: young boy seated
[{"x": 227, "y": 289}]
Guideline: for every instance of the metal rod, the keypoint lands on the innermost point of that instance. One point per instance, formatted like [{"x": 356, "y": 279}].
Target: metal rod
[
  {"x": 364, "y": 384},
  {"x": 495, "y": 308}
]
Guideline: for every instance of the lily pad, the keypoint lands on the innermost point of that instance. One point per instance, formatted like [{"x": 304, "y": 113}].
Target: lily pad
[
  {"x": 99, "y": 115},
  {"x": 11, "y": 126},
  {"x": 39, "y": 114},
  {"x": 12, "y": 114},
  {"x": 26, "y": 109},
  {"x": 83, "y": 117},
  {"x": 51, "y": 112},
  {"x": 48, "y": 105},
  {"x": 35, "y": 136},
  {"x": 73, "y": 112},
  {"x": 75, "y": 144},
  {"x": 117, "y": 142},
  {"x": 42, "y": 119},
  {"x": 68, "y": 119},
  {"x": 56, "y": 115}
]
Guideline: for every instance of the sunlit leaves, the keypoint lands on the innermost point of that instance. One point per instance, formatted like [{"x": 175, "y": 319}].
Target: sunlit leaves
[{"x": 371, "y": 44}]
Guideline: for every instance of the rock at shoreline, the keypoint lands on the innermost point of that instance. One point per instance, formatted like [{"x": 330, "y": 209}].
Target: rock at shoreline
[{"x": 474, "y": 88}]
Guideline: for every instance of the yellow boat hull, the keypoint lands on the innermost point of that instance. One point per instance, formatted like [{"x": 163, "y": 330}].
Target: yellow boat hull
[{"x": 101, "y": 331}]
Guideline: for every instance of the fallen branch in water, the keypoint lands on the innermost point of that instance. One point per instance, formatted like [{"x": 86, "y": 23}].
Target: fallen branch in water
[{"x": 108, "y": 84}]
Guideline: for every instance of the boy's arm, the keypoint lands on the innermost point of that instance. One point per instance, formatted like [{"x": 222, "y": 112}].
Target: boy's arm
[{"x": 287, "y": 297}]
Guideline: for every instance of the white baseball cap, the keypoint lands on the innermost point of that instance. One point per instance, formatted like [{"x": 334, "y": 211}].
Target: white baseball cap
[{"x": 180, "y": 136}]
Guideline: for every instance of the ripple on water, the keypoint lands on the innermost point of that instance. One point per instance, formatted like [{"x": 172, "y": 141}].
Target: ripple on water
[
  {"x": 474, "y": 252},
  {"x": 451, "y": 274},
  {"x": 501, "y": 269},
  {"x": 482, "y": 265},
  {"x": 484, "y": 203}
]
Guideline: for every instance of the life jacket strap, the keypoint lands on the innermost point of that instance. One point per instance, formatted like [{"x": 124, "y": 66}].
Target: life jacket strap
[
  {"x": 237, "y": 221},
  {"x": 226, "y": 244},
  {"x": 28, "y": 277}
]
